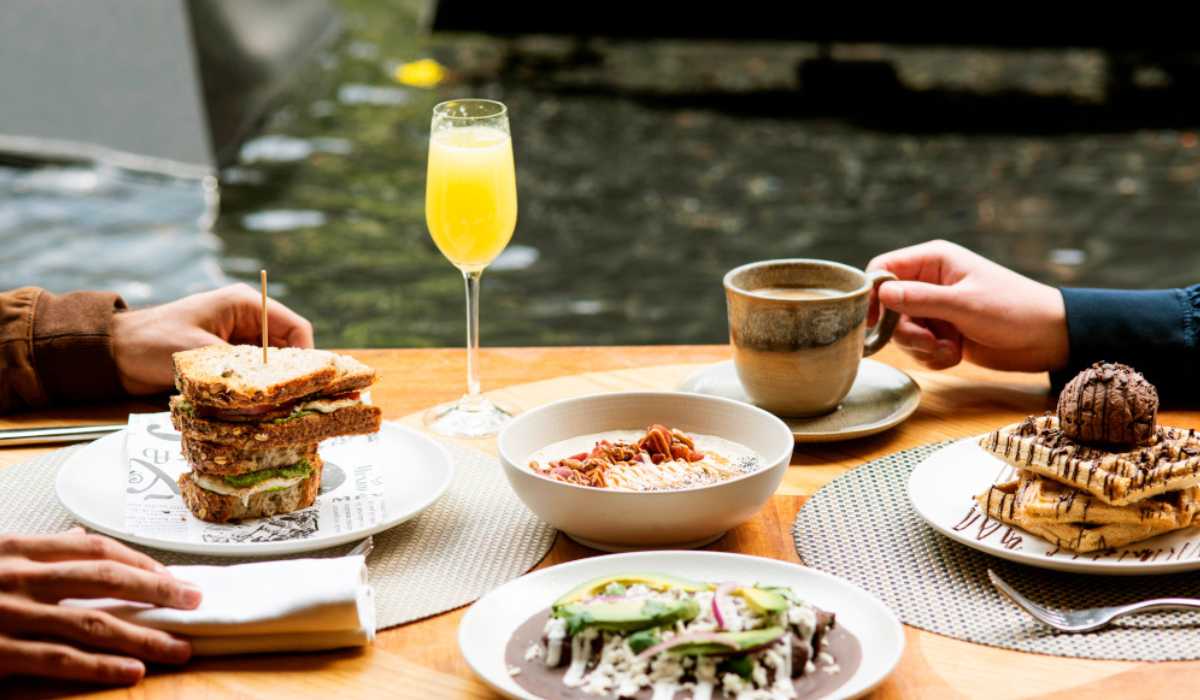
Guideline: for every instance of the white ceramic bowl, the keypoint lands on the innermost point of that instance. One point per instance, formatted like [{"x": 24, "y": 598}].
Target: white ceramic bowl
[{"x": 614, "y": 520}]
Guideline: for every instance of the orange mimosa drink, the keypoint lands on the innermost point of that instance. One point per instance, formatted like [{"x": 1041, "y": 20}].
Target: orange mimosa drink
[{"x": 471, "y": 194}]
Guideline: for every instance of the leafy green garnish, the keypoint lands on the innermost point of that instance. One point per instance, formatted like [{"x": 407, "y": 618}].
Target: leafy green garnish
[
  {"x": 739, "y": 665},
  {"x": 299, "y": 469},
  {"x": 576, "y": 618},
  {"x": 643, "y": 640}
]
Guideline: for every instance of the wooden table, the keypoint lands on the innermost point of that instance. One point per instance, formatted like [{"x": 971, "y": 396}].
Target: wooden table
[{"x": 421, "y": 659}]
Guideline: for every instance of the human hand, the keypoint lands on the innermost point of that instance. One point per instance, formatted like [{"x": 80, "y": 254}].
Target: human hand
[
  {"x": 956, "y": 305},
  {"x": 144, "y": 340},
  {"x": 41, "y": 638}
]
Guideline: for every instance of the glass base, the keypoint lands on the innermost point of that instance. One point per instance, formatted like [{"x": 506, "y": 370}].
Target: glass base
[{"x": 467, "y": 418}]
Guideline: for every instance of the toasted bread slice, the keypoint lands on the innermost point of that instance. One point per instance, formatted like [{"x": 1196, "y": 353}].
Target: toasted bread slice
[
  {"x": 235, "y": 377},
  {"x": 357, "y": 419},
  {"x": 227, "y": 460},
  {"x": 352, "y": 376},
  {"x": 221, "y": 508}
]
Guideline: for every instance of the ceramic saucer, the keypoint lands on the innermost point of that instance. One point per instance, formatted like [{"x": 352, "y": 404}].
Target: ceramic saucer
[{"x": 881, "y": 398}]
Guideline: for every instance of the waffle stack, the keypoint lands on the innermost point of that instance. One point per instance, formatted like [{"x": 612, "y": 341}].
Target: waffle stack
[{"x": 1080, "y": 483}]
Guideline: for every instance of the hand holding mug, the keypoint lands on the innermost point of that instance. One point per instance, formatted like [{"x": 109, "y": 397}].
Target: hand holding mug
[{"x": 958, "y": 305}]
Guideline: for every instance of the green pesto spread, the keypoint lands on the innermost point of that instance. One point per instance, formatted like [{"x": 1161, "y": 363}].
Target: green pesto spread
[
  {"x": 241, "y": 481},
  {"x": 297, "y": 413}
]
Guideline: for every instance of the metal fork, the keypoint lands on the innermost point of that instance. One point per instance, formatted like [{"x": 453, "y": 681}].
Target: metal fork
[{"x": 1088, "y": 619}]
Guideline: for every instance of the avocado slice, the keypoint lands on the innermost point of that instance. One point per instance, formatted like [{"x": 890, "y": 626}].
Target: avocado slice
[
  {"x": 657, "y": 582},
  {"x": 762, "y": 601},
  {"x": 731, "y": 643},
  {"x": 627, "y": 614}
]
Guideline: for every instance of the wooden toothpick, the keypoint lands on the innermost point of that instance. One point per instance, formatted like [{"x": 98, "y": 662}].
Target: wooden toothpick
[{"x": 263, "y": 274}]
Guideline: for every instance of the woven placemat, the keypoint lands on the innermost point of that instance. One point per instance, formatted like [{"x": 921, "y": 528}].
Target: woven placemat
[
  {"x": 478, "y": 536},
  {"x": 862, "y": 528}
]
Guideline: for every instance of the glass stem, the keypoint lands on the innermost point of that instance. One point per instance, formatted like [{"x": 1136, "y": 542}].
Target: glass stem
[{"x": 472, "y": 280}]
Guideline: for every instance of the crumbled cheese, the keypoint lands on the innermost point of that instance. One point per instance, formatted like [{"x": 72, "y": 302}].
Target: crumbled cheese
[
  {"x": 556, "y": 632},
  {"x": 514, "y": 670},
  {"x": 781, "y": 661},
  {"x": 804, "y": 618},
  {"x": 733, "y": 684},
  {"x": 828, "y": 663},
  {"x": 758, "y": 674},
  {"x": 706, "y": 678},
  {"x": 664, "y": 690},
  {"x": 581, "y": 653}
]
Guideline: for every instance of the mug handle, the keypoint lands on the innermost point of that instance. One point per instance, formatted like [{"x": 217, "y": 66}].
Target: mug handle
[{"x": 882, "y": 332}]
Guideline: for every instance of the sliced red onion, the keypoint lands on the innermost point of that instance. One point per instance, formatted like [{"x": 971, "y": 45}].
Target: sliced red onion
[
  {"x": 679, "y": 640},
  {"x": 722, "y": 591},
  {"x": 719, "y": 638}
]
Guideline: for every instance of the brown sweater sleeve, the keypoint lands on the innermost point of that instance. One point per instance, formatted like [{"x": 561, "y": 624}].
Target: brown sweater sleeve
[{"x": 56, "y": 348}]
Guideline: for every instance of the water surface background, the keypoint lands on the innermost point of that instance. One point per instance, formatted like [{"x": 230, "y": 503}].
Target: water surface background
[{"x": 645, "y": 170}]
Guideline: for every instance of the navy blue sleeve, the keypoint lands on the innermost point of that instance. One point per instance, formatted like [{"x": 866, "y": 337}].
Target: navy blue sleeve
[{"x": 1153, "y": 331}]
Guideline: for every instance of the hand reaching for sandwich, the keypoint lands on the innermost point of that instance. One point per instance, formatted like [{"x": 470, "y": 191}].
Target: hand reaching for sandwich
[
  {"x": 956, "y": 305},
  {"x": 39, "y": 637},
  {"x": 144, "y": 340}
]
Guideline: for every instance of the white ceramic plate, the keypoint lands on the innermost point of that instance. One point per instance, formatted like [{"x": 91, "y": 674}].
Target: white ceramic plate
[
  {"x": 489, "y": 624},
  {"x": 91, "y": 485},
  {"x": 942, "y": 490}
]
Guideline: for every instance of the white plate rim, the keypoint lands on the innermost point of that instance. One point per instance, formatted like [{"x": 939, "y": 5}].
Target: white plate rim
[
  {"x": 255, "y": 549},
  {"x": 1082, "y": 564},
  {"x": 848, "y": 690}
]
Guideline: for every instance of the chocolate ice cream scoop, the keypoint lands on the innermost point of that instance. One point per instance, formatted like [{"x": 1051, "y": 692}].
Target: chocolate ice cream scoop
[{"x": 1108, "y": 404}]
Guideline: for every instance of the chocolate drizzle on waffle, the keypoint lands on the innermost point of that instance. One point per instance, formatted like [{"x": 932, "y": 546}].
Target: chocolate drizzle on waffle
[
  {"x": 1100, "y": 473},
  {"x": 1074, "y": 520},
  {"x": 1170, "y": 463}
]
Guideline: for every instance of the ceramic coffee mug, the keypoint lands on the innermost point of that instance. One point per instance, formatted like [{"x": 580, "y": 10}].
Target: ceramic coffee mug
[{"x": 799, "y": 329}]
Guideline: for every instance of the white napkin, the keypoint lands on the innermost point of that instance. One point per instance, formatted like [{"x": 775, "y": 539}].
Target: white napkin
[{"x": 293, "y": 605}]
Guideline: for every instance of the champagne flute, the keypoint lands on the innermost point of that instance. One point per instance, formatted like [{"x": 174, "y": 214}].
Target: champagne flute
[{"x": 471, "y": 211}]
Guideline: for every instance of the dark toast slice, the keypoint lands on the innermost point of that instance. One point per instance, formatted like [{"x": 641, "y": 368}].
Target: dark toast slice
[
  {"x": 227, "y": 460},
  {"x": 235, "y": 377},
  {"x": 358, "y": 419},
  {"x": 221, "y": 508}
]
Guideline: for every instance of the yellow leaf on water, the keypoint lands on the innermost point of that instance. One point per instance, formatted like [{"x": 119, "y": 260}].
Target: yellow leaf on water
[{"x": 424, "y": 73}]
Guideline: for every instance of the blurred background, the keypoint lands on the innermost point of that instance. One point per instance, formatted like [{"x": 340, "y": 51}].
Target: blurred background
[{"x": 217, "y": 137}]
